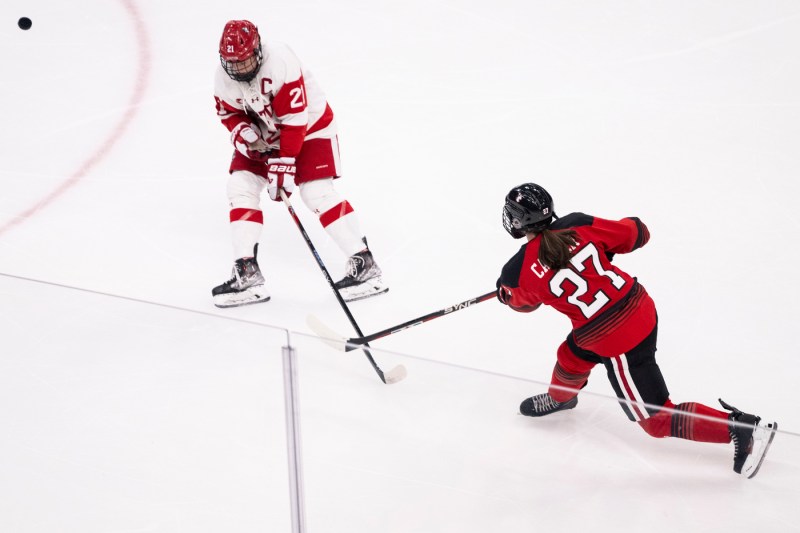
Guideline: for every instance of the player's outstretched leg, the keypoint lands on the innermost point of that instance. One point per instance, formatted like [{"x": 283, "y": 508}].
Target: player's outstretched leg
[
  {"x": 246, "y": 285},
  {"x": 363, "y": 279},
  {"x": 751, "y": 439},
  {"x": 544, "y": 404}
]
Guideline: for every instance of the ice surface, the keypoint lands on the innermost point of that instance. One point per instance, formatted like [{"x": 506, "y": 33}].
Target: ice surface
[{"x": 123, "y": 416}]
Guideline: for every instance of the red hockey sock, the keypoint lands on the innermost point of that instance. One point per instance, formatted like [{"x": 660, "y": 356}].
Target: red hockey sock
[
  {"x": 562, "y": 378},
  {"x": 687, "y": 426},
  {"x": 684, "y": 425}
]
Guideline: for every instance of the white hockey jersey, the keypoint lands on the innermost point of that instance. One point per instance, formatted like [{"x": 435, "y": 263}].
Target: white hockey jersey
[{"x": 283, "y": 100}]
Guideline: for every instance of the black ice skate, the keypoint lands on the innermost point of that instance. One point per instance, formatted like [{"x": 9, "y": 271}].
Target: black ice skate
[
  {"x": 751, "y": 439},
  {"x": 246, "y": 285},
  {"x": 544, "y": 404},
  {"x": 363, "y": 278}
]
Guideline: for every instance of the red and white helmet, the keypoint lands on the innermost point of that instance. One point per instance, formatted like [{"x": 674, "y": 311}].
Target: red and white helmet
[{"x": 240, "y": 50}]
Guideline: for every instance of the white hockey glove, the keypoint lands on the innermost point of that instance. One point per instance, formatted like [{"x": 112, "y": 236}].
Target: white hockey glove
[
  {"x": 249, "y": 143},
  {"x": 280, "y": 175}
]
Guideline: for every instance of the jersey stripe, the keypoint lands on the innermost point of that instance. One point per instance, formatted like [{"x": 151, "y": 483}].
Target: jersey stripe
[
  {"x": 628, "y": 387},
  {"x": 322, "y": 122},
  {"x": 611, "y": 318}
]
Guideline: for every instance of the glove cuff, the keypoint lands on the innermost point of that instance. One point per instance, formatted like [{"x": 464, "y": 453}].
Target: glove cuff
[{"x": 282, "y": 160}]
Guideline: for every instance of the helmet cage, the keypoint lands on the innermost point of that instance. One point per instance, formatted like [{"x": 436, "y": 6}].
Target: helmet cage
[{"x": 244, "y": 70}]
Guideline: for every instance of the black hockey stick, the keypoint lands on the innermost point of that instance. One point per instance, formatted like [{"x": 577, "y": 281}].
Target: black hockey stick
[
  {"x": 394, "y": 375},
  {"x": 353, "y": 343}
]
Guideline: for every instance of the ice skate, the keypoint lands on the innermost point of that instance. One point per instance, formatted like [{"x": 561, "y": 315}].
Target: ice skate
[
  {"x": 751, "y": 439},
  {"x": 363, "y": 278},
  {"x": 544, "y": 404},
  {"x": 246, "y": 285}
]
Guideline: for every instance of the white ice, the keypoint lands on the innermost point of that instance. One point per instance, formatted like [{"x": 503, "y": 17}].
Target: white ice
[{"x": 122, "y": 416}]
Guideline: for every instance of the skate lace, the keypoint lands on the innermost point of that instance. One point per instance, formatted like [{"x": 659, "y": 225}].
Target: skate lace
[
  {"x": 353, "y": 266},
  {"x": 235, "y": 276},
  {"x": 743, "y": 442},
  {"x": 238, "y": 274},
  {"x": 544, "y": 402},
  {"x": 735, "y": 439}
]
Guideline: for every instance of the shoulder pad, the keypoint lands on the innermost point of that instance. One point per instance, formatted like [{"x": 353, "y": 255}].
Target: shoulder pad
[
  {"x": 513, "y": 269},
  {"x": 573, "y": 220}
]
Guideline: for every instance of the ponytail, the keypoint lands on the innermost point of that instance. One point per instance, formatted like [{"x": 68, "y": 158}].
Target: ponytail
[{"x": 555, "y": 250}]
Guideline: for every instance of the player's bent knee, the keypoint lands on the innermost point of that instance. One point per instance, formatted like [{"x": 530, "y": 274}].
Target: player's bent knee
[
  {"x": 319, "y": 195},
  {"x": 570, "y": 362},
  {"x": 244, "y": 190},
  {"x": 659, "y": 425}
]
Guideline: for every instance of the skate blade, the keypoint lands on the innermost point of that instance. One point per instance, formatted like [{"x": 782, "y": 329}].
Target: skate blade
[
  {"x": 368, "y": 289},
  {"x": 772, "y": 428},
  {"x": 253, "y": 295}
]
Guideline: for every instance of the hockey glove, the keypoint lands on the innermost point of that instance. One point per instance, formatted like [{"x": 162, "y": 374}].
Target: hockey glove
[
  {"x": 506, "y": 297},
  {"x": 503, "y": 294},
  {"x": 280, "y": 175},
  {"x": 249, "y": 143}
]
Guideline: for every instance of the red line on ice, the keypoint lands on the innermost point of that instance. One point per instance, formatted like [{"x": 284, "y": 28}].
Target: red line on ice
[{"x": 141, "y": 81}]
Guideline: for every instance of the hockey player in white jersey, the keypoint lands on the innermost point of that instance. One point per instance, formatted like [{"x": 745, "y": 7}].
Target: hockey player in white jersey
[{"x": 284, "y": 134}]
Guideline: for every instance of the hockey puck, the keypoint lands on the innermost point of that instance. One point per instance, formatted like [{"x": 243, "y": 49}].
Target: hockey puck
[{"x": 24, "y": 23}]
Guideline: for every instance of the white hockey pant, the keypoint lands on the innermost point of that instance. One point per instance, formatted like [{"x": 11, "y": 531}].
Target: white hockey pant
[{"x": 337, "y": 217}]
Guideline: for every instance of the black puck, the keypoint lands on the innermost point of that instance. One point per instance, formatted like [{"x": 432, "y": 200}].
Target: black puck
[{"x": 24, "y": 23}]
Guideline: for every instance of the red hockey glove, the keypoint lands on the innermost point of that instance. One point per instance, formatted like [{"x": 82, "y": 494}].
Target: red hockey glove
[
  {"x": 249, "y": 143},
  {"x": 280, "y": 175},
  {"x": 505, "y": 296}
]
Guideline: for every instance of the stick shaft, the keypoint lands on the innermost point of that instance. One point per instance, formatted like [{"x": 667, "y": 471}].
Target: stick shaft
[
  {"x": 330, "y": 282},
  {"x": 421, "y": 320}
]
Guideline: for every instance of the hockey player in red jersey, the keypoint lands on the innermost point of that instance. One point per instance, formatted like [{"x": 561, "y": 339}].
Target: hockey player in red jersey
[
  {"x": 284, "y": 134},
  {"x": 566, "y": 264}
]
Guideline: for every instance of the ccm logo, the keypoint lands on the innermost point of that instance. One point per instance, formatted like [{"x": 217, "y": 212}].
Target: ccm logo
[{"x": 282, "y": 168}]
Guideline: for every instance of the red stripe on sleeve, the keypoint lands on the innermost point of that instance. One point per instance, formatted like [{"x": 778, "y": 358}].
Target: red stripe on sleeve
[
  {"x": 323, "y": 121},
  {"x": 229, "y": 115},
  {"x": 247, "y": 215},
  {"x": 234, "y": 121},
  {"x": 335, "y": 213},
  {"x": 292, "y": 138},
  {"x": 224, "y": 107}
]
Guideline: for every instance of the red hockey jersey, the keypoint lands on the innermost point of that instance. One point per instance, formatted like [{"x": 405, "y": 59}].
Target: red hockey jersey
[{"x": 610, "y": 311}]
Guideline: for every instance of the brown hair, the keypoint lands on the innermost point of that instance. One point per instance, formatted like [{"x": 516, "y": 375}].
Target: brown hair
[{"x": 555, "y": 250}]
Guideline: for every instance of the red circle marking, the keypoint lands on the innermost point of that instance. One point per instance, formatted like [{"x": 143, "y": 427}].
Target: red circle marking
[{"x": 141, "y": 81}]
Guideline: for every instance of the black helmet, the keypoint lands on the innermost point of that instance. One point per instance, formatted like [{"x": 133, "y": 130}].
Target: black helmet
[{"x": 528, "y": 209}]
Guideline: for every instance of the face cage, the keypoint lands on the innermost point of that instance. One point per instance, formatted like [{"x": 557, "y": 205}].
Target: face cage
[
  {"x": 508, "y": 224},
  {"x": 230, "y": 67}
]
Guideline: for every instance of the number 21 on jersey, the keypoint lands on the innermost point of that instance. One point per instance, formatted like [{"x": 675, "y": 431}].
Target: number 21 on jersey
[
  {"x": 599, "y": 298},
  {"x": 298, "y": 98}
]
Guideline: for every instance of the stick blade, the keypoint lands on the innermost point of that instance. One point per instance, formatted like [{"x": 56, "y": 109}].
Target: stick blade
[
  {"x": 394, "y": 375},
  {"x": 326, "y": 334}
]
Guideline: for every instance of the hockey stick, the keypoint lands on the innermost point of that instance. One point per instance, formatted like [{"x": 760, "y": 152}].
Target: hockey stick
[
  {"x": 340, "y": 343},
  {"x": 394, "y": 375}
]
